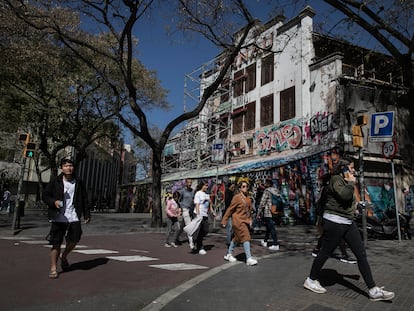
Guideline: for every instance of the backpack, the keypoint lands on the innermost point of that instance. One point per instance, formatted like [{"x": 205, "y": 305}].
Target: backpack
[{"x": 277, "y": 204}]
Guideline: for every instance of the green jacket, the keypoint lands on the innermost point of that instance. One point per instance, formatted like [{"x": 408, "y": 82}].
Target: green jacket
[{"x": 340, "y": 197}]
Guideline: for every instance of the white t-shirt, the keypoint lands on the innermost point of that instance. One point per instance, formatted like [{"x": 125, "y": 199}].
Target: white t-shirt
[
  {"x": 68, "y": 212},
  {"x": 203, "y": 199}
]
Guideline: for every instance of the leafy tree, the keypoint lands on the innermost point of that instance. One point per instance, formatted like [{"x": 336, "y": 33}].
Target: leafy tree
[
  {"x": 137, "y": 87},
  {"x": 47, "y": 90}
]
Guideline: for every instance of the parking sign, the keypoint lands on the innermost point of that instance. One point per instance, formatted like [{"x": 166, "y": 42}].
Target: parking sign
[{"x": 382, "y": 126}]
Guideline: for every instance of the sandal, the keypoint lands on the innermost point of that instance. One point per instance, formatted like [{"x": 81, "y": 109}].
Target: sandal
[
  {"x": 53, "y": 274},
  {"x": 64, "y": 264}
]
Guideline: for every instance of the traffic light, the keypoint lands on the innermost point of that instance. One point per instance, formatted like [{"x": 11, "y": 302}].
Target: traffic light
[
  {"x": 29, "y": 150},
  {"x": 24, "y": 137},
  {"x": 357, "y": 136}
]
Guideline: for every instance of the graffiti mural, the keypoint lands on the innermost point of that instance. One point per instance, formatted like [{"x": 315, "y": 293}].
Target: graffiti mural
[
  {"x": 279, "y": 138},
  {"x": 293, "y": 134},
  {"x": 299, "y": 182}
]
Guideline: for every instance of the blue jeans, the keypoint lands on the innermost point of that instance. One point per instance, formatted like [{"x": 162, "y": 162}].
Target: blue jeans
[
  {"x": 229, "y": 231},
  {"x": 332, "y": 235},
  {"x": 173, "y": 229},
  {"x": 246, "y": 247},
  {"x": 270, "y": 230}
]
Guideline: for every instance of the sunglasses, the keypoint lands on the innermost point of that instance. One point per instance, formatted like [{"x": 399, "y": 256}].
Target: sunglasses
[{"x": 244, "y": 186}]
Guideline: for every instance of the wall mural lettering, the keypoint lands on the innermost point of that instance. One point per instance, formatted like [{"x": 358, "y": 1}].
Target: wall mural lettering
[
  {"x": 279, "y": 137},
  {"x": 294, "y": 134}
]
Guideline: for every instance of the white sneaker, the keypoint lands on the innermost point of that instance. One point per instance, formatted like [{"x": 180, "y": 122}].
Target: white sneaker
[
  {"x": 263, "y": 243},
  {"x": 230, "y": 257},
  {"x": 274, "y": 248},
  {"x": 190, "y": 242},
  {"x": 314, "y": 286},
  {"x": 167, "y": 245},
  {"x": 251, "y": 261},
  {"x": 202, "y": 252},
  {"x": 173, "y": 244},
  {"x": 378, "y": 293}
]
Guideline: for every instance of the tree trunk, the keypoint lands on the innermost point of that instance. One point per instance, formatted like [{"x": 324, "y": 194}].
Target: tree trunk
[{"x": 156, "y": 220}]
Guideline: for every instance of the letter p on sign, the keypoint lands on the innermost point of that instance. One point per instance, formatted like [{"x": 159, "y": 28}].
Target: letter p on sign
[{"x": 382, "y": 126}]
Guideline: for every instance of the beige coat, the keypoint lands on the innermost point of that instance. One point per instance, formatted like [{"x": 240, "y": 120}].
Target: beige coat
[{"x": 240, "y": 210}]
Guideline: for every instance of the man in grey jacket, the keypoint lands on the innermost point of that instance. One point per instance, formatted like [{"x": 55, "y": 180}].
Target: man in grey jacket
[{"x": 266, "y": 203}]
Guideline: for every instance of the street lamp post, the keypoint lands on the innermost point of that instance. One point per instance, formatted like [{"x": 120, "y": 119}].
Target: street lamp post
[
  {"x": 362, "y": 195},
  {"x": 357, "y": 141}
]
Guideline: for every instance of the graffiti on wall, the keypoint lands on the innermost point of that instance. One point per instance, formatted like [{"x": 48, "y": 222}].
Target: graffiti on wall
[
  {"x": 279, "y": 137},
  {"x": 293, "y": 134},
  {"x": 321, "y": 124},
  {"x": 299, "y": 182}
]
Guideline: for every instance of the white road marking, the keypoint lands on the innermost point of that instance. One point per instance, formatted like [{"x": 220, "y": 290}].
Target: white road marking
[
  {"x": 64, "y": 245},
  {"x": 35, "y": 242},
  {"x": 15, "y": 238},
  {"x": 178, "y": 266},
  {"x": 95, "y": 251},
  {"x": 132, "y": 258}
]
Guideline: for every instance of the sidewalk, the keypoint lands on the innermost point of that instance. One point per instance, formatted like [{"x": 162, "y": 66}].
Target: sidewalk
[{"x": 276, "y": 283}]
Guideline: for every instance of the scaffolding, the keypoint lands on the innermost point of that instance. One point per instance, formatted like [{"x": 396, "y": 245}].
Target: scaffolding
[{"x": 192, "y": 147}]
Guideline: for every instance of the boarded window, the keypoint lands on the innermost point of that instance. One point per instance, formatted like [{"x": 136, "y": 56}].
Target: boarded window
[
  {"x": 251, "y": 78},
  {"x": 267, "y": 69},
  {"x": 250, "y": 116},
  {"x": 266, "y": 110},
  {"x": 238, "y": 83},
  {"x": 287, "y": 104},
  {"x": 238, "y": 123}
]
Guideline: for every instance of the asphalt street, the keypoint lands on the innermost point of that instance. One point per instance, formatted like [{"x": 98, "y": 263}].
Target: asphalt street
[{"x": 121, "y": 264}]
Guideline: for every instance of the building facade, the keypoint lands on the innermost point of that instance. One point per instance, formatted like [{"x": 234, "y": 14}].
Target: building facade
[{"x": 293, "y": 102}]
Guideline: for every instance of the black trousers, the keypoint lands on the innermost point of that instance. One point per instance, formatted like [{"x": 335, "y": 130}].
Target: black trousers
[
  {"x": 332, "y": 235},
  {"x": 201, "y": 233}
]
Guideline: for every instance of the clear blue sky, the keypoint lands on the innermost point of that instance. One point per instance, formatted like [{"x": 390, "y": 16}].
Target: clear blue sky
[{"x": 173, "y": 58}]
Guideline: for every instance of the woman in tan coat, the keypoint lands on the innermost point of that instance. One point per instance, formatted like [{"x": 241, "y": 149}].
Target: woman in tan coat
[{"x": 240, "y": 210}]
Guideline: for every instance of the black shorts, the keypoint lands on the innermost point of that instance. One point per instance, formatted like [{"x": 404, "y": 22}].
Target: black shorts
[{"x": 59, "y": 230}]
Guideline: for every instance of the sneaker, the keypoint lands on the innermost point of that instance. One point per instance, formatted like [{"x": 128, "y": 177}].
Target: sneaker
[
  {"x": 167, "y": 245},
  {"x": 190, "y": 242},
  {"x": 378, "y": 293},
  {"x": 314, "y": 286},
  {"x": 202, "y": 252},
  {"x": 64, "y": 264},
  {"x": 173, "y": 244},
  {"x": 251, "y": 261},
  {"x": 274, "y": 247},
  {"x": 347, "y": 259},
  {"x": 315, "y": 252},
  {"x": 263, "y": 243},
  {"x": 230, "y": 257}
]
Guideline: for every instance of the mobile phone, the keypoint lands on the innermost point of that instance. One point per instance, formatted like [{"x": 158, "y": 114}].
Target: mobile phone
[{"x": 346, "y": 172}]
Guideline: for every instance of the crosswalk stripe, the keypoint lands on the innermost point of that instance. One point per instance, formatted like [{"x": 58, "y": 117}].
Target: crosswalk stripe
[
  {"x": 95, "y": 251},
  {"x": 15, "y": 238},
  {"x": 34, "y": 242},
  {"x": 64, "y": 245},
  {"x": 178, "y": 266},
  {"x": 132, "y": 258}
]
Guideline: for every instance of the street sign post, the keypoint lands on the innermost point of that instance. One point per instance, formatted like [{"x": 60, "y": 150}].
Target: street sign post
[
  {"x": 382, "y": 126},
  {"x": 389, "y": 149}
]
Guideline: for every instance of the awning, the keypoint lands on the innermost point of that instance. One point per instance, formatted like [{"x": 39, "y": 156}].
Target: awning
[{"x": 257, "y": 164}]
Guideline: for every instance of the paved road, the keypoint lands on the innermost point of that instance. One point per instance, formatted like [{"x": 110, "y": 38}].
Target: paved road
[{"x": 121, "y": 264}]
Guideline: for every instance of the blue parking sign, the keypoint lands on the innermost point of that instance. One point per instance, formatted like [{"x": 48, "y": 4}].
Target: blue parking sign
[{"x": 382, "y": 126}]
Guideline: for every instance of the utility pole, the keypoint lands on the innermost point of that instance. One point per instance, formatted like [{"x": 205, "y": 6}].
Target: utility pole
[{"x": 358, "y": 141}]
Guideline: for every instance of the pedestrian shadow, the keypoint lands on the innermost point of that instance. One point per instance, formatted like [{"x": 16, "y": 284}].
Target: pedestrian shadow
[
  {"x": 87, "y": 264},
  {"x": 329, "y": 277}
]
